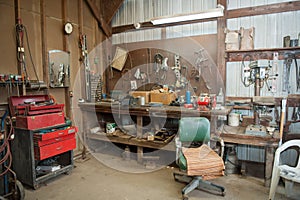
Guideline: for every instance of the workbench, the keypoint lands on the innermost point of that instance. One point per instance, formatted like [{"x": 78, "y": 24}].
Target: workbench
[
  {"x": 235, "y": 135},
  {"x": 91, "y": 112}
]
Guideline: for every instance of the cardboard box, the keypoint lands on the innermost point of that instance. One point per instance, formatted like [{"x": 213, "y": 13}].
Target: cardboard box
[
  {"x": 145, "y": 94},
  {"x": 165, "y": 98},
  {"x": 232, "y": 39},
  {"x": 247, "y": 38}
]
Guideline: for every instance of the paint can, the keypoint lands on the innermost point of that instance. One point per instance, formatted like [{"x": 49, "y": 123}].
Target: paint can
[
  {"x": 141, "y": 101},
  {"x": 234, "y": 119},
  {"x": 110, "y": 127}
]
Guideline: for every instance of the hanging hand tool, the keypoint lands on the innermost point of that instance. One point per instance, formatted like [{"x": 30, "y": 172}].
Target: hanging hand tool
[
  {"x": 295, "y": 113},
  {"x": 86, "y": 67},
  {"x": 286, "y": 73},
  {"x": 158, "y": 59},
  {"x": 298, "y": 112},
  {"x": 273, "y": 87},
  {"x": 297, "y": 73},
  {"x": 180, "y": 81},
  {"x": 199, "y": 63}
]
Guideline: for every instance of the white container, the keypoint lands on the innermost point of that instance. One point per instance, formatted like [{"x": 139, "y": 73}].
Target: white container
[
  {"x": 234, "y": 119},
  {"x": 142, "y": 101}
]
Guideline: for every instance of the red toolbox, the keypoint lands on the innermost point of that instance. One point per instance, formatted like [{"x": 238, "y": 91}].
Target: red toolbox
[
  {"x": 36, "y": 111},
  {"x": 53, "y": 143}
]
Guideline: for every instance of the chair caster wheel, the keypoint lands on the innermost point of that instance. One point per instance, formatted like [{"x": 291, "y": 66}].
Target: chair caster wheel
[
  {"x": 184, "y": 197},
  {"x": 223, "y": 194}
]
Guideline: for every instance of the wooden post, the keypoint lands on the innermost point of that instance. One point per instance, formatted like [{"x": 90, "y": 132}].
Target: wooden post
[
  {"x": 269, "y": 159},
  {"x": 20, "y": 46},
  {"x": 80, "y": 30},
  {"x": 221, "y": 62},
  {"x": 44, "y": 43},
  {"x": 67, "y": 49}
]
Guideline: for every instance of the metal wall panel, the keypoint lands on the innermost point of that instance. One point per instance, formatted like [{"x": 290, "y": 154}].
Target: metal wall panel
[{"x": 251, "y": 153}]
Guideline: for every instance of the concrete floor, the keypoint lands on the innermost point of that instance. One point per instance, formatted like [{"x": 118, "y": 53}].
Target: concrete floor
[{"x": 94, "y": 181}]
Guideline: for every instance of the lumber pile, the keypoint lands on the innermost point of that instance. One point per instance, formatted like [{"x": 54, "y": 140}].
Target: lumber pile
[{"x": 203, "y": 161}]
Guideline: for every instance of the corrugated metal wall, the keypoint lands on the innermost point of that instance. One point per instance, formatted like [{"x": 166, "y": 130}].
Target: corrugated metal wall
[
  {"x": 269, "y": 32},
  {"x": 133, "y": 11}
]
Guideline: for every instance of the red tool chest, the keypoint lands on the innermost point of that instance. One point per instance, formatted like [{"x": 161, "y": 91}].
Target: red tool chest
[
  {"x": 36, "y": 111},
  {"x": 43, "y": 139},
  {"x": 53, "y": 143}
]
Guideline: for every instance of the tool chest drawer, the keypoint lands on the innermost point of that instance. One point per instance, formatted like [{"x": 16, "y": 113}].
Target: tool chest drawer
[
  {"x": 54, "y": 133},
  {"x": 57, "y": 141},
  {"x": 40, "y": 143},
  {"x": 46, "y": 151}
]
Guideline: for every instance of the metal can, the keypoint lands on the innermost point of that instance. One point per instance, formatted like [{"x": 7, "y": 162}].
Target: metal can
[
  {"x": 142, "y": 101},
  {"x": 203, "y": 99},
  {"x": 110, "y": 127}
]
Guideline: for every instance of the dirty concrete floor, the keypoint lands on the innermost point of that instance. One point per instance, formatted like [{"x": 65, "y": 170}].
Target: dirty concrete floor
[{"x": 94, "y": 181}]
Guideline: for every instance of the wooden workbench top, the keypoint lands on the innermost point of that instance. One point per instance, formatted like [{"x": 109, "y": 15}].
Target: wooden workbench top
[
  {"x": 237, "y": 135},
  {"x": 162, "y": 111}
]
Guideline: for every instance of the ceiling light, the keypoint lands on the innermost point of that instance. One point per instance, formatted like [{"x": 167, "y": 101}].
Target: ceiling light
[{"x": 211, "y": 13}]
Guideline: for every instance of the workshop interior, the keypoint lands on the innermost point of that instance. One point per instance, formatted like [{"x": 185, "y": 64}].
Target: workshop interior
[{"x": 181, "y": 99}]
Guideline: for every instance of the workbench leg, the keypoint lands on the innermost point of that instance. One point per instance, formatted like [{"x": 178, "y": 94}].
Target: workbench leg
[
  {"x": 140, "y": 155},
  {"x": 269, "y": 158},
  {"x": 139, "y": 134},
  {"x": 84, "y": 125},
  {"x": 213, "y": 125},
  {"x": 213, "y": 128}
]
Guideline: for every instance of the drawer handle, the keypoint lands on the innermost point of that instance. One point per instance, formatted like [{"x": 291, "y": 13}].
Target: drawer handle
[
  {"x": 57, "y": 139},
  {"x": 61, "y": 133},
  {"x": 58, "y": 148}
]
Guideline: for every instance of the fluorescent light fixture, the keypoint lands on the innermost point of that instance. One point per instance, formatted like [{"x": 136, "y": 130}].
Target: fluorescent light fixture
[{"x": 211, "y": 13}]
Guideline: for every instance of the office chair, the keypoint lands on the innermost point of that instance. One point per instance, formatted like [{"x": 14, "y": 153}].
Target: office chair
[
  {"x": 290, "y": 174},
  {"x": 193, "y": 131}
]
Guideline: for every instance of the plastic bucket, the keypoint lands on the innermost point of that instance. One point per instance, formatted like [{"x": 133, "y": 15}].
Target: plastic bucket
[{"x": 234, "y": 119}]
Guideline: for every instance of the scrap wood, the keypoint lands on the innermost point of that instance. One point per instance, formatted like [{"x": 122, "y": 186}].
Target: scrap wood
[{"x": 203, "y": 161}]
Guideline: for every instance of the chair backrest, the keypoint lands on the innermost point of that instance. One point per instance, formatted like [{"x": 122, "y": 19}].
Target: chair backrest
[
  {"x": 284, "y": 147},
  {"x": 194, "y": 129}
]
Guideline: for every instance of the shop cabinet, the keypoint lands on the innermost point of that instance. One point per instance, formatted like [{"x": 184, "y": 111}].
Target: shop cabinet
[{"x": 39, "y": 155}]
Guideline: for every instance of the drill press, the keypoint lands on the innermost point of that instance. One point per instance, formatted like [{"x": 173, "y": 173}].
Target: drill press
[{"x": 259, "y": 74}]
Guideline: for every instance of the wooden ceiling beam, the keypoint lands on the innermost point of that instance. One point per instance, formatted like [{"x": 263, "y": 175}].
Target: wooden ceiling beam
[
  {"x": 263, "y": 10},
  {"x": 109, "y": 8},
  {"x": 101, "y": 22}
]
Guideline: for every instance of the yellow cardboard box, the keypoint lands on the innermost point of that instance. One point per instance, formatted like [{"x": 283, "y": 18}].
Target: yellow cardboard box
[{"x": 165, "y": 98}]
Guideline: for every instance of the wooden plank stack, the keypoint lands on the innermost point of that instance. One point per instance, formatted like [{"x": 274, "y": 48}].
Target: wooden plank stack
[{"x": 203, "y": 161}]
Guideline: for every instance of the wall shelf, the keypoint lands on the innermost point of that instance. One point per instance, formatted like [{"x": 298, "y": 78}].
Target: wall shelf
[{"x": 265, "y": 53}]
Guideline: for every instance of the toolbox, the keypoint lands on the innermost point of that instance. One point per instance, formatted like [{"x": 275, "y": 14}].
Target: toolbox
[
  {"x": 43, "y": 139},
  {"x": 36, "y": 111}
]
